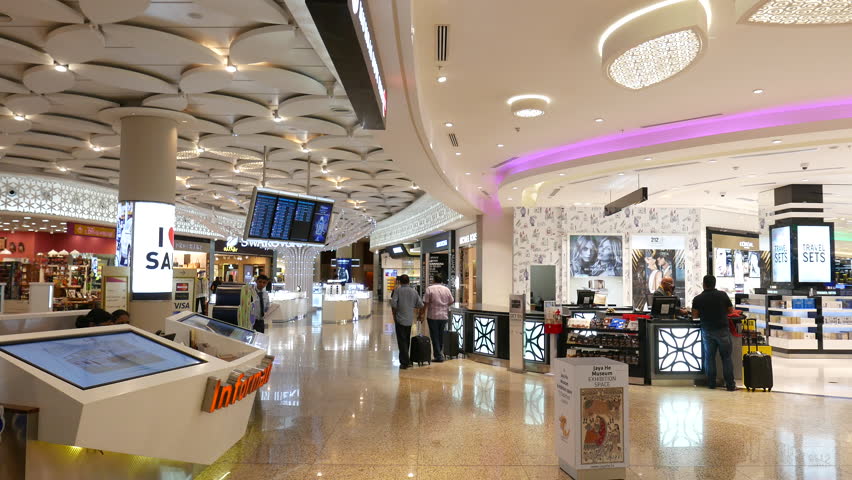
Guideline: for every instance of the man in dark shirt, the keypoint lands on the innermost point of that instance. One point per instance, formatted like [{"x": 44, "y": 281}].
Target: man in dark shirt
[{"x": 713, "y": 307}]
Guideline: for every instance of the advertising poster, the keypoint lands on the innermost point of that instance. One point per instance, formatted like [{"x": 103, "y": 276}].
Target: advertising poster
[
  {"x": 183, "y": 293},
  {"x": 153, "y": 249},
  {"x": 344, "y": 269},
  {"x": 123, "y": 234},
  {"x": 115, "y": 294},
  {"x": 596, "y": 256},
  {"x": 814, "y": 253},
  {"x": 603, "y": 425},
  {"x": 781, "y": 255},
  {"x": 438, "y": 263},
  {"x": 653, "y": 258}
]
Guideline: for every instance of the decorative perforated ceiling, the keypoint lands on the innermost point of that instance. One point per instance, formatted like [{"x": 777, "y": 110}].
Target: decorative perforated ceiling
[{"x": 63, "y": 64}]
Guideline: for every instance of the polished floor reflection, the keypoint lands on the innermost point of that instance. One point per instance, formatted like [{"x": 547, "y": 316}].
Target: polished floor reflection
[{"x": 338, "y": 407}]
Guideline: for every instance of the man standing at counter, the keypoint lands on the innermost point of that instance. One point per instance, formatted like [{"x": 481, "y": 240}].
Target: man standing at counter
[
  {"x": 667, "y": 289},
  {"x": 437, "y": 299},
  {"x": 404, "y": 300},
  {"x": 713, "y": 307}
]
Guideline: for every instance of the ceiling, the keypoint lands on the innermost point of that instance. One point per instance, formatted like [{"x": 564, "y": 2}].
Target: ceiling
[
  {"x": 173, "y": 55},
  {"x": 495, "y": 51},
  {"x": 11, "y": 223}
]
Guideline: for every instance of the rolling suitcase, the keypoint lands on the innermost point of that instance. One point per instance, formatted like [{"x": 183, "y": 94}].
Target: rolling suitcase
[
  {"x": 451, "y": 344},
  {"x": 421, "y": 349},
  {"x": 757, "y": 370}
]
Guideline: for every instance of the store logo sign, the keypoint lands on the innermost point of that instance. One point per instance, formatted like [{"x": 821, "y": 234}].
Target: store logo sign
[
  {"x": 464, "y": 240},
  {"x": 748, "y": 245},
  {"x": 397, "y": 250},
  {"x": 153, "y": 247},
  {"x": 239, "y": 385},
  {"x": 441, "y": 243}
]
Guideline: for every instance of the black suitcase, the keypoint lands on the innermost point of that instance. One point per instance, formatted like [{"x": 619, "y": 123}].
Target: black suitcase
[
  {"x": 421, "y": 350},
  {"x": 757, "y": 370},
  {"x": 451, "y": 344}
]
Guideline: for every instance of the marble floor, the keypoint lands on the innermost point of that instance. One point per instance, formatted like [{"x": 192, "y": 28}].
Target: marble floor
[{"x": 338, "y": 407}]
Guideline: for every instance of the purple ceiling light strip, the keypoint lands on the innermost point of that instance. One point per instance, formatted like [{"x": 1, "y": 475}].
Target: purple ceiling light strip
[{"x": 706, "y": 127}]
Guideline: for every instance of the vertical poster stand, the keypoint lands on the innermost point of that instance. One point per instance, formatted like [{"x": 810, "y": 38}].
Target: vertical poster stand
[
  {"x": 591, "y": 418},
  {"x": 115, "y": 288},
  {"x": 184, "y": 289}
]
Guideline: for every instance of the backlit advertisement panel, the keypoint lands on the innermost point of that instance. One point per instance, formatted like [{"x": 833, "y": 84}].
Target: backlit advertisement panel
[
  {"x": 781, "y": 255},
  {"x": 153, "y": 250},
  {"x": 814, "y": 253}
]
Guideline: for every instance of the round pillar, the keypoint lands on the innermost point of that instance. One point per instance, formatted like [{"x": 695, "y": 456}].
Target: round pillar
[{"x": 147, "y": 174}]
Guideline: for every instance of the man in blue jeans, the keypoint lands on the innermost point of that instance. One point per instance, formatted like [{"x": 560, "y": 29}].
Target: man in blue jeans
[{"x": 713, "y": 307}]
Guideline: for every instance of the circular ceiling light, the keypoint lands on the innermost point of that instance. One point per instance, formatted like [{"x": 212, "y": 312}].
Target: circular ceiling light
[
  {"x": 442, "y": 79},
  {"x": 528, "y": 106},
  {"x": 654, "y": 43}
]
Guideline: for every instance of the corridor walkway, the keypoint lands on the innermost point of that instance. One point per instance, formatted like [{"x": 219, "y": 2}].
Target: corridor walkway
[{"x": 338, "y": 407}]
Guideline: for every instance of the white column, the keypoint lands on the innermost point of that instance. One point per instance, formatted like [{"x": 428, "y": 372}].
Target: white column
[
  {"x": 147, "y": 174},
  {"x": 494, "y": 257}
]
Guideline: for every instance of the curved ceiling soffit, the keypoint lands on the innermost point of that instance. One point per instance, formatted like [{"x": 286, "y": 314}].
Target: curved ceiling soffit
[{"x": 664, "y": 137}]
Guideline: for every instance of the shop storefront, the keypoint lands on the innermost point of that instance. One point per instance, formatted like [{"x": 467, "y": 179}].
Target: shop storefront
[
  {"x": 737, "y": 261},
  {"x": 241, "y": 264},
  {"x": 437, "y": 256},
  {"x": 466, "y": 279},
  {"x": 397, "y": 260}
]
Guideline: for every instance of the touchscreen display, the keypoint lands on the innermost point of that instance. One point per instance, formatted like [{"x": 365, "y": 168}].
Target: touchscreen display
[
  {"x": 90, "y": 361},
  {"x": 222, "y": 328}
]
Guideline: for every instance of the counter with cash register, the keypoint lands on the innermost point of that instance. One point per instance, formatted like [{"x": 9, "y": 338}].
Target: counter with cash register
[{"x": 184, "y": 395}]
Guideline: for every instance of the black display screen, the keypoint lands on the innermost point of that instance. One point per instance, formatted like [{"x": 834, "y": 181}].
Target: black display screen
[
  {"x": 302, "y": 220},
  {"x": 289, "y": 217},
  {"x": 263, "y": 215}
]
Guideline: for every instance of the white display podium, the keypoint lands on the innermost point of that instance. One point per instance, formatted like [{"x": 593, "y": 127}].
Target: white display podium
[
  {"x": 591, "y": 418},
  {"x": 159, "y": 415},
  {"x": 41, "y": 297}
]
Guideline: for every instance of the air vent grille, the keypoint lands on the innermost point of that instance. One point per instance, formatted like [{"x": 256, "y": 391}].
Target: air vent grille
[
  {"x": 441, "y": 32},
  {"x": 454, "y": 141},
  {"x": 666, "y": 166},
  {"x": 682, "y": 120},
  {"x": 587, "y": 180},
  {"x": 751, "y": 155},
  {"x": 504, "y": 162},
  {"x": 554, "y": 192}
]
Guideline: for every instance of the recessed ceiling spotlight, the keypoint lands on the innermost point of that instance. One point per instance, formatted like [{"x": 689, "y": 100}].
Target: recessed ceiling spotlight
[
  {"x": 458, "y": 154},
  {"x": 500, "y": 145},
  {"x": 277, "y": 118},
  {"x": 757, "y": 91},
  {"x": 19, "y": 117},
  {"x": 561, "y": 174},
  {"x": 648, "y": 159},
  {"x": 805, "y": 180},
  {"x": 415, "y": 186},
  {"x": 529, "y": 105},
  {"x": 712, "y": 160},
  {"x": 448, "y": 124},
  {"x": 229, "y": 67},
  {"x": 514, "y": 188},
  {"x": 599, "y": 120},
  {"x": 467, "y": 173},
  {"x": 442, "y": 79},
  {"x": 620, "y": 174},
  {"x": 777, "y": 141},
  {"x": 60, "y": 68}
]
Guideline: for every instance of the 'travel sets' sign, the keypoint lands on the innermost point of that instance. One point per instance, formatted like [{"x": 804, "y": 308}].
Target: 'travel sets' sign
[
  {"x": 239, "y": 385},
  {"x": 814, "y": 262},
  {"x": 782, "y": 271}
]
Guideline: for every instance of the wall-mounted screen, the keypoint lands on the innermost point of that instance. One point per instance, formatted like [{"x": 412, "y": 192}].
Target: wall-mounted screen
[
  {"x": 814, "y": 253},
  {"x": 89, "y": 361},
  {"x": 221, "y": 328},
  {"x": 288, "y": 217},
  {"x": 782, "y": 271}
]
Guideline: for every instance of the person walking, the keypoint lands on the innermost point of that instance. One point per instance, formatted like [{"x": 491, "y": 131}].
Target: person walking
[
  {"x": 404, "y": 300},
  {"x": 260, "y": 303},
  {"x": 713, "y": 307},
  {"x": 437, "y": 301},
  {"x": 201, "y": 293}
]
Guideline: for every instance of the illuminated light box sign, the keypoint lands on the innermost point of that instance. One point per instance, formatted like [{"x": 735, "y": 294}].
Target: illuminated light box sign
[
  {"x": 277, "y": 216},
  {"x": 93, "y": 230},
  {"x": 152, "y": 251},
  {"x": 802, "y": 254}
]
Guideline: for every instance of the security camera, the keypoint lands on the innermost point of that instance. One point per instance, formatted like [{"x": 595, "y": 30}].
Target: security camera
[
  {"x": 722, "y": 194},
  {"x": 805, "y": 165}
]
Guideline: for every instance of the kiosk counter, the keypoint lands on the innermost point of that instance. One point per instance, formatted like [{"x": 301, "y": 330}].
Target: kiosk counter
[
  {"x": 122, "y": 389},
  {"x": 14, "y": 323}
]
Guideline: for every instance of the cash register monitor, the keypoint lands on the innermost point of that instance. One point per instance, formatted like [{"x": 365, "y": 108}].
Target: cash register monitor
[
  {"x": 665, "y": 307},
  {"x": 585, "y": 297}
]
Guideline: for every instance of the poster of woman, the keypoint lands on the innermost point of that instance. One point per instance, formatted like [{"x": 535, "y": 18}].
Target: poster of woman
[{"x": 596, "y": 256}]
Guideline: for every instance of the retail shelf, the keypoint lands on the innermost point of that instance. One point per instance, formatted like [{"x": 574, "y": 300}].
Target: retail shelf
[
  {"x": 809, "y": 325},
  {"x": 752, "y": 308},
  {"x": 792, "y": 310},
  {"x": 794, "y": 343},
  {"x": 837, "y": 326},
  {"x": 599, "y": 347},
  {"x": 605, "y": 330},
  {"x": 837, "y": 312},
  {"x": 836, "y": 344}
]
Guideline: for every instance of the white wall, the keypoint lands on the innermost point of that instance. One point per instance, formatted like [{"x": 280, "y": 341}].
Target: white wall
[{"x": 495, "y": 233}]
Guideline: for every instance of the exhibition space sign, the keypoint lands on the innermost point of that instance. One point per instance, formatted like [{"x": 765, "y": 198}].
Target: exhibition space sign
[{"x": 653, "y": 258}]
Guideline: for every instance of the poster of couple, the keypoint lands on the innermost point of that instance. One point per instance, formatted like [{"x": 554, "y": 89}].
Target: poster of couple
[{"x": 653, "y": 259}]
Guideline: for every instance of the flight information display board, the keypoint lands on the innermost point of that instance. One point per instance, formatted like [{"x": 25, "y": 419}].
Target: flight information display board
[{"x": 288, "y": 217}]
